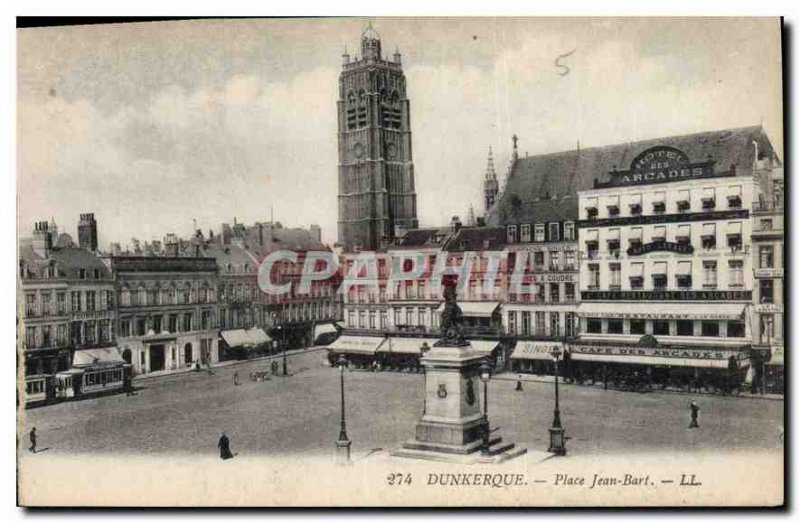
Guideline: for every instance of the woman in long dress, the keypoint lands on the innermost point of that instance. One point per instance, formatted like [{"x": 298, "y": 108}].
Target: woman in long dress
[{"x": 224, "y": 447}]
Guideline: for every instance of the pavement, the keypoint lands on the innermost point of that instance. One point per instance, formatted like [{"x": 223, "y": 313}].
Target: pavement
[{"x": 300, "y": 413}]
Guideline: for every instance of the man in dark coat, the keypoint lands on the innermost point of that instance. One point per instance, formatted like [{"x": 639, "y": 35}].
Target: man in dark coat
[
  {"x": 695, "y": 411},
  {"x": 224, "y": 447},
  {"x": 236, "y": 378},
  {"x": 33, "y": 440}
]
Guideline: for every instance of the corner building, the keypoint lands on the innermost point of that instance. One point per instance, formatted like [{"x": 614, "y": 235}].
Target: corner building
[
  {"x": 377, "y": 199},
  {"x": 666, "y": 275}
]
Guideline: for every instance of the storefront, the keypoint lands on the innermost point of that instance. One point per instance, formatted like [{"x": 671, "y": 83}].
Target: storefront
[
  {"x": 535, "y": 357},
  {"x": 402, "y": 353},
  {"x": 325, "y": 333},
  {"x": 358, "y": 351},
  {"x": 243, "y": 344}
]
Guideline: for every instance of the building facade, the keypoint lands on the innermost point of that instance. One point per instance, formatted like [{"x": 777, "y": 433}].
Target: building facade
[
  {"x": 67, "y": 312},
  {"x": 377, "y": 198},
  {"x": 666, "y": 276},
  {"x": 167, "y": 311},
  {"x": 768, "y": 262}
]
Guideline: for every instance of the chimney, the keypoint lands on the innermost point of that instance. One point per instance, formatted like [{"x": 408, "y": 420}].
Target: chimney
[
  {"x": 42, "y": 239},
  {"x": 87, "y": 232}
]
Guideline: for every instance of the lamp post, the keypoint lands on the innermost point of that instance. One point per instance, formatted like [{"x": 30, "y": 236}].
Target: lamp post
[
  {"x": 283, "y": 343},
  {"x": 486, "y": 375},
  {"x": 556, "y": 431},
  {"x": 343, "y": 443},
  {"x": 423, "y": 349}
]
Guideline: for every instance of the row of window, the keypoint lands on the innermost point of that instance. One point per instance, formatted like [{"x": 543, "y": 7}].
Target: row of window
[
  {"x": 76, "y": 333},
  {"x": 659, "y": 274},
  {"x": 544, "y": 293},
  {"x": 683, "y": 202},
  {"x": 519, "y": 322},
  {"x": 172, "y": 323},
  {"x": 550, "y": 232},
  {"x": 403, "y": 317},
  {"x": 42, "y": 304},
  {"x": 715, "y": 329}
]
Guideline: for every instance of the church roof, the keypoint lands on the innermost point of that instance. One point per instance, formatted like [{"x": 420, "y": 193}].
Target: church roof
[{"x": 544, "y": 187}]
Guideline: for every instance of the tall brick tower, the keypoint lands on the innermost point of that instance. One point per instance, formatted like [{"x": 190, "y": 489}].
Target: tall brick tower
[{"x": 377, "y": 199}]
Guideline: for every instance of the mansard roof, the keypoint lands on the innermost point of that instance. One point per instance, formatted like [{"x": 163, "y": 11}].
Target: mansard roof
[{"x": 544, "y": 187}]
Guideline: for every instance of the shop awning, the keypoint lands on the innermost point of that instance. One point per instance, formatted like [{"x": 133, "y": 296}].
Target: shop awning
[
  {"x": 484, "y": 346},
  {"x": 323, "y": 328},
  {"x": 357, "y": 344},
  {"x": 475, "y": 309},
  {"x": 89, "y": 357},
  {"x": 663, "y": 311},
  {"x": 245, "y": 338},
  {"x": 535, "y": 350},
  {"x": 405, "y": 345},
  {"x": 653, "y": 360}
]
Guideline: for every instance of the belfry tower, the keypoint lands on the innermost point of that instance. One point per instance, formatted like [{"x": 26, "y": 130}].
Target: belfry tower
[{"x": 377, "y": 199}]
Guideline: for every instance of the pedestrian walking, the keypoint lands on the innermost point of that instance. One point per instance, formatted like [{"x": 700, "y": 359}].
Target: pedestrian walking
[
  {"x": 274, "y": 367},
  {"x": 695, "y": 411},
  {"x": 224, "y": 447},
  {"x": 236, "y": 378},
  {"x": 33, "y": 440},
  {"x": 519, "y": 383}
]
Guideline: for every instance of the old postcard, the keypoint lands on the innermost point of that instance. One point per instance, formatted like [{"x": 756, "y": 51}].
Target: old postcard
[{"x": 439, "y": 262}]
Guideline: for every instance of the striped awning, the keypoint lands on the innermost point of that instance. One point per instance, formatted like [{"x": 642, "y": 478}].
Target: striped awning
[
  {"x": 535, "y": 350},
  {"x": 653, "y": 360},
  {"x": 405, "y": 345},
  {"x": 104, "y": 356}
]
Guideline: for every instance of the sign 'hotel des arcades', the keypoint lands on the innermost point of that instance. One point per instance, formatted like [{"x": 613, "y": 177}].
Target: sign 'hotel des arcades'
[{"x": 377, "y": 199}]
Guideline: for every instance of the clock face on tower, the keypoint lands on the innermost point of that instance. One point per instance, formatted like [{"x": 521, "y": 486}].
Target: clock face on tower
[{"x": 358, "y": 150}]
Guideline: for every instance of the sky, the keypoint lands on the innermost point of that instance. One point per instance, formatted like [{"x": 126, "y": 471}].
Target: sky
[{"x": 152, "y": 126}]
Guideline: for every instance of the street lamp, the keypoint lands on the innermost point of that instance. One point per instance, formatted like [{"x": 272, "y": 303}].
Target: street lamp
[
  {"x": 556, "y": 431},
  {"x": 486, "y": 375},
  {"x": 423, "y": 349},
  {"x": 343, "y": 443},
  {"x": 283, "y": 343}
]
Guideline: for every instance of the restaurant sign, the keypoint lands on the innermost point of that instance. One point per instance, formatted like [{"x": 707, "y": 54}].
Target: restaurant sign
[
  {"x": 667, "y": 295},
  {"x": 661, "y": 164},
  {"x": 680, "y": 248},
  {"x": 664, "y": 352}
]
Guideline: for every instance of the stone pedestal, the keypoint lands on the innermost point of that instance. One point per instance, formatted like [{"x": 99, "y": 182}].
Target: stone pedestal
[{"x": 453, "y": 427}]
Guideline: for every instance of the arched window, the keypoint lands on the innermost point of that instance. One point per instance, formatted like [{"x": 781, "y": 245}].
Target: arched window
[{"x": 351, "y": 98}]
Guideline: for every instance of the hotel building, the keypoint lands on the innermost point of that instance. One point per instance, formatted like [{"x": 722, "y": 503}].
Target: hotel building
[{"x": 666, "y": 275}]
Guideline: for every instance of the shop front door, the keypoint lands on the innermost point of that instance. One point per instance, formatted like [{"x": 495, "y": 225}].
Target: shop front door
[{"x": 156, "y": 358}]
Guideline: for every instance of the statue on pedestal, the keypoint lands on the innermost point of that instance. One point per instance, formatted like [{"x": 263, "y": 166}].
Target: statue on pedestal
[{"x": 452, "y": 318}]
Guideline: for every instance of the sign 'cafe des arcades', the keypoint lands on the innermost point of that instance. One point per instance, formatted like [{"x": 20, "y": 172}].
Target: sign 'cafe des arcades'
[{"x": 665, "y": 273}]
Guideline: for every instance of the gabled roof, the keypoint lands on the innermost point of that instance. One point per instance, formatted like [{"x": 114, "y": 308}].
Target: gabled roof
[{"x": 544, "y": 188}]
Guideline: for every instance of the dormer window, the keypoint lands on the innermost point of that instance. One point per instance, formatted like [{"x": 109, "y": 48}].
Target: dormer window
[
  {"x": 709, "y": 199},
  {"x": 511, "y": 232}
]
